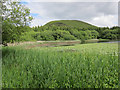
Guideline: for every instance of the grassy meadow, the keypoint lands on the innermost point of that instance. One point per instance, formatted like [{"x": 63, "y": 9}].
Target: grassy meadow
[
  {"x": 92, "y": 65},
  {"x": 67, "y": 53}
]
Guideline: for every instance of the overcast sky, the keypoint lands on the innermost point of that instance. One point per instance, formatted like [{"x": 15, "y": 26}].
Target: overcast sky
[{"x": 96, "y": 13}]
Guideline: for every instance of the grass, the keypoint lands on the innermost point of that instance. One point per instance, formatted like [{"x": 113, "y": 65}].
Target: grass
[
  {"x": 104, "y": 40},
  {"x": 71, "y": 23},
  {"x": 80, "y": 66}
]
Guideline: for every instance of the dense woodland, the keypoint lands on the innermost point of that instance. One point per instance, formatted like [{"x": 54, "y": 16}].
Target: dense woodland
[
  {"x": 16, "y": 27},
  {"x": 55, "y": 32}
]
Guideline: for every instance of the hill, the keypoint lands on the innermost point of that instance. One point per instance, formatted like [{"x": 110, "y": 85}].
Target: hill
[
  {"x": 70, "y": 23},
  {"x": 69, "y": 30}
]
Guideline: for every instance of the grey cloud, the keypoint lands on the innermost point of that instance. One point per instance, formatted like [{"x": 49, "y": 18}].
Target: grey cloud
[
  {"x": 119, "y": 13},
  {"x": 108, "y": 7},
  {"x": 78, "y": 10},
  {"x": 85, "y": 11}
]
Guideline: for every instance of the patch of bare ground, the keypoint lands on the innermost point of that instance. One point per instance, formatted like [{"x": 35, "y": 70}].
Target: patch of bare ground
[
  {"x": 22, "y": 43},
  {"x": 54, "y": 44}
]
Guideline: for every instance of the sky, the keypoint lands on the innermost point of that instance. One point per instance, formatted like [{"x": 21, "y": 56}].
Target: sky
[{"x": 102, "y": 13}]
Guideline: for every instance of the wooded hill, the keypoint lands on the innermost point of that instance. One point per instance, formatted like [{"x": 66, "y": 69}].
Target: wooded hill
[{"x": 74, "y": 29}]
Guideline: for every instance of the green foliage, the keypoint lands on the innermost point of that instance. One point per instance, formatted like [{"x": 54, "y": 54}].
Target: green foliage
[
  {"x": 95, "y": 34},
  {"x": 54, "y": 35},
  {"x": 7, "y": 32},
  {"x": 79, "y": 66},
  {"x": 69, "y": 37},
  {"x": 45, "y": 35},
  {"x": 28, "y": 36},
  {"x": 110, "y": 34},
  {"x": 78, "y": 29},
  {"x": 15, "y": 17},
  {"x": 62, "y": 34},
  {"x": 76, "y": 33}
]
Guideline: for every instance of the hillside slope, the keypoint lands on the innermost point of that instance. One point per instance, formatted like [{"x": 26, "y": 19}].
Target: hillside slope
[{"x": 70, "y": 23}]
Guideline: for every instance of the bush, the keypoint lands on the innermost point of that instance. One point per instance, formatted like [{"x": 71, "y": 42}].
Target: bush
[
  {"x": 45, "y": 35},
  {"x": 69, "y": 37},
  {"x": 28, "y": 36},
  {"x": 95, "y": 34},
  {"x": 110, "y": 34},
  {"x": 63, "y": 35}
]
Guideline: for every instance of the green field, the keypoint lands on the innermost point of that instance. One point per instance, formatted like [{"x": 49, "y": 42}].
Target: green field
[{"x": 80, "y": 66}]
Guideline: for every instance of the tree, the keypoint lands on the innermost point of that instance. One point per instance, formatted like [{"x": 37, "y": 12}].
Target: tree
[
  {"x": 15, "y": 17},
  {"x": 95, "y": 34}
]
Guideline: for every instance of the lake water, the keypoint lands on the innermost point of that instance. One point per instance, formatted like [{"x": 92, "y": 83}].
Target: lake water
[{"x": 111, "y": 42}]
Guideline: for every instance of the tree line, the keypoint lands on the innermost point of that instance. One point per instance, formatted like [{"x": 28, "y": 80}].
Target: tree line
[{"x": 72, "y": 33}]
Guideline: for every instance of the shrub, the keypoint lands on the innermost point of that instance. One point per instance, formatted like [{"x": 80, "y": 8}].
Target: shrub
[
  {"x": 69, "y": 37},
  {"x": 28, "y": 36},
  {"x": 45, "y": 35}
]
